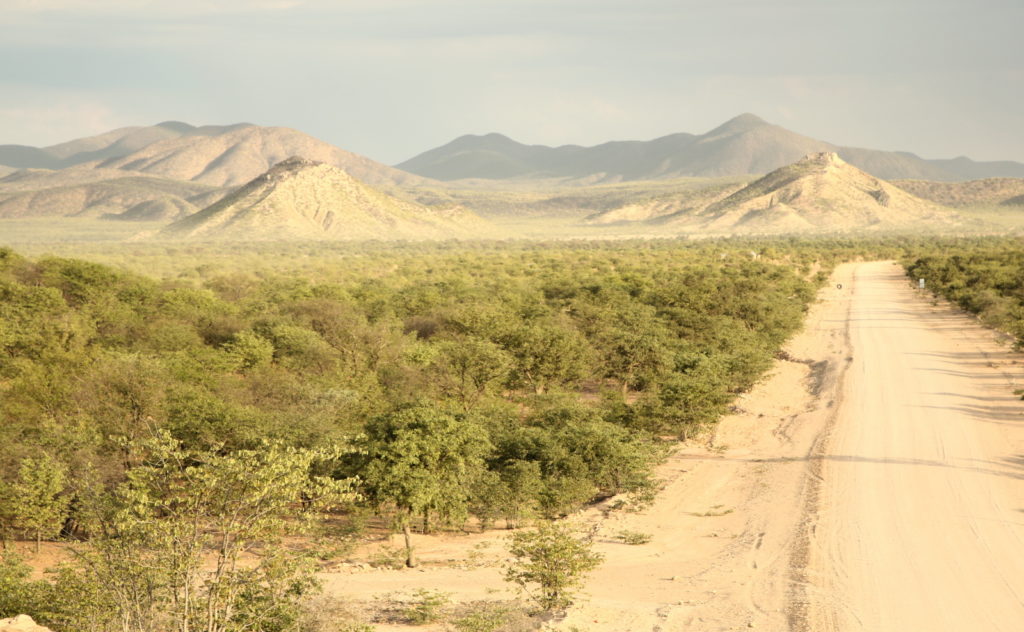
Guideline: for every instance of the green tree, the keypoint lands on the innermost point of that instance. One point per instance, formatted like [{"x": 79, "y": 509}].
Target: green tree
[
  {"x": 151, "y": 533},
  {"x": 470, "y": 368},
  {"x": 550, "y": 562},
  {"x": 423, "y": 461},
  {"x": 250, "y": 350},
  {"x": 634, "y": 346},
  {"x": 547, "y": 353},
  {"x": 37, "y": 496},
  {"x": 513, "y": 493}
]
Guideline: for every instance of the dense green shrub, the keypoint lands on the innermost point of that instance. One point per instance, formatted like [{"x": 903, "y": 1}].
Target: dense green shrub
[
  {"x": 503, "y": 381},
  {"x": 983, "y": 277}
]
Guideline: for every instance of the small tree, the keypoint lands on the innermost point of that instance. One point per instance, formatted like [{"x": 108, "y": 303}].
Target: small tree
[
  {"x": 423, "y": 461},
  {"x": 555, "y": 559},
  {"x": 151, "y": 535},
  {"x": 470, "y": 368},
  {"x": 546, "y": 353},
  {"x": 37, "y": 497}
]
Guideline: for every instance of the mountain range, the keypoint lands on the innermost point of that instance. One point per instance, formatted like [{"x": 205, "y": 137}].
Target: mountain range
[
  {"x": 171, "y": 170},
  {"x": 218, "y": 155},
  {"x": 743, "y": 145}
]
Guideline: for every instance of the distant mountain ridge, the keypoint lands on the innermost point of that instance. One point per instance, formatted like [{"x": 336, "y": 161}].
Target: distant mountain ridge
[
  {"x": 745, "y": 144},
  {"x": 113, "y": 144},
  {"x": 240, "y": 153},
  {"x": 151, "y": 165},
  {"x": 218, "y": 155}
]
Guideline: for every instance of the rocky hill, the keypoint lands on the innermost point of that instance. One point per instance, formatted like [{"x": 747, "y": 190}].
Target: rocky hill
[
  {"x": 819, "y": 193},
  {"x": 299, "y": 199},
  {"x": 664, "y": 207},
  {"x": 743, "y": 145}
]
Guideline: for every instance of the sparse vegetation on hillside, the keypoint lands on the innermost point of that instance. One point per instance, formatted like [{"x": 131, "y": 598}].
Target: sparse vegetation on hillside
[
  {"x": 107, "y": 199},
  {"x": 820, "y": 193},
  {"x": 571, "y": 199},
  {"x": 988, "y": 192},
  {"x": 302, "y": 199}
]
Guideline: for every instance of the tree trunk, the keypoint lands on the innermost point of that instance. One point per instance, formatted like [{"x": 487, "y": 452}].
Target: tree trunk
[{"x": 410, "y": 559}]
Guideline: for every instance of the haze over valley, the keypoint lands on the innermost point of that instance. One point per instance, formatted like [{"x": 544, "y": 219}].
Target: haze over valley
[{"x": 679, "y": 184}]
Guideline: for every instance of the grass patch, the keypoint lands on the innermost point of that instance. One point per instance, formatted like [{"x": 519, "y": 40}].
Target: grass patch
[{"x": 633, "y": 538}]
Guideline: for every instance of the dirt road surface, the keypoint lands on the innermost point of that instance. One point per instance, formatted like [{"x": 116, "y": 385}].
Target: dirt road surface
[
  {"x": 920, "y": 521},
  {"x": 874, "y": 481}
]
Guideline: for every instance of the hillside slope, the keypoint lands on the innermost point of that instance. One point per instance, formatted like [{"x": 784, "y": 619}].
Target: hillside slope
[
  {"x": 115, "y": 143},
  {"x": 160, "y": 199},
  {"x": 820, "y": 193},
  {"x": 666, "y": 207},
  {"x": 299, "y": 199},
  {"x": 171, "y": 169},
  {"x": 986, "y": 192},
  {"x": 238, "y": 155},
  {"x": 743, "y": 145}
]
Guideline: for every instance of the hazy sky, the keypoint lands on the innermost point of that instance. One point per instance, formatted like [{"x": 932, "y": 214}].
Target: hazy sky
[{"x": 391, "y": 78}]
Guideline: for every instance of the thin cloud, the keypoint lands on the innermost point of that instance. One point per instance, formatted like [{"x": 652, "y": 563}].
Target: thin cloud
[
  {"x": 98, "y": 7},
  {"x": 390, "y": 78},
  {"x": 48, "y": 123}
]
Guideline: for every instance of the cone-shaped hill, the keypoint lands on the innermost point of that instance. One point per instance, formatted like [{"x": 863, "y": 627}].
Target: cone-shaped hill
[
  {"x": 820, "y": 193},
  {"x": 299, "y": 199}
]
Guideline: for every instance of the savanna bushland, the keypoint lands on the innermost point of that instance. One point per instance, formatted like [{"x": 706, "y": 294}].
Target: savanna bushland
[{"x": 176, "y": 409}]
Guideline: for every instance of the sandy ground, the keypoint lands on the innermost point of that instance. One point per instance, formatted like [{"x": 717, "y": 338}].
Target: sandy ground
[
  {"x": 873, "y": 481},
  {"x": 706, "y": 569},
  {"x": 920, "y": 521}
]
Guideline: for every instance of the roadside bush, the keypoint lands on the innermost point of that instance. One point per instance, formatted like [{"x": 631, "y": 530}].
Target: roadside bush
[
  {"x": 633, "y": 538},
  {"x": 549, "y": 563},
  {"x": 426, "y": 606}
]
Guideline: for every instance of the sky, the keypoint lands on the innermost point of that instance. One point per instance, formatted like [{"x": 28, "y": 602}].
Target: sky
[{"x": 392, "y": 78}]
